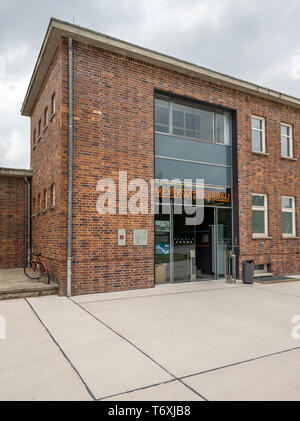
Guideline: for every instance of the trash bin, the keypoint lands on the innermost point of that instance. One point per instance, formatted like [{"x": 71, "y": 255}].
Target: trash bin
[{"x": 248, "y": 272}]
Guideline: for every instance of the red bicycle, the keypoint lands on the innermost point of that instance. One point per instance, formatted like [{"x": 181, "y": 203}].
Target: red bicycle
[{"x": 37, "y": 268}]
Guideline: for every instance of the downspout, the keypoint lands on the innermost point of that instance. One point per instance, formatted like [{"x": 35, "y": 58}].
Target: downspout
[
  {"x": 28, "y": 219},
  {"x": 70, "y": 186}
]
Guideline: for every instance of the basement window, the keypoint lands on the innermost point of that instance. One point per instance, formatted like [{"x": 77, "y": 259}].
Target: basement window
[{"x": 260, "y": 268}]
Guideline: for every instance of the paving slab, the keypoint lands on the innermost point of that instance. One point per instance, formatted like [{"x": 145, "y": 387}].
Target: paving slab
[
  {"x": 276, "y": 378},
  {"x": 163, "y": 289},
  {"x": 189, "y": 333},
  {"x": 107, "y": 363},
  {"x": 289, "y": 288},
  {"x": 174, "y": 391},
  {"x": 31, "y": 365}
]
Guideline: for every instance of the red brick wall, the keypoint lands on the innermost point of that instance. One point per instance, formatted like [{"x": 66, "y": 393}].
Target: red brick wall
[
  {"x": 13, "y": 221},
  {"x": 49, "y": 163},
  {"x": 113, "y": 130}
]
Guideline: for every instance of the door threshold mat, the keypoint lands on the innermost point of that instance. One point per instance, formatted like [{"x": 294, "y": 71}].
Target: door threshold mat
[{"x": 275, "y": 280}]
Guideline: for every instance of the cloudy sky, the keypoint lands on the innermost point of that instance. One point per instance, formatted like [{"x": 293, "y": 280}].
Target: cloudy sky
[{"x": 256, "y": 40}]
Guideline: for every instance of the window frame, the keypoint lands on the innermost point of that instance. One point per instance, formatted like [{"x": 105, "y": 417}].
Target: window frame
[
  {"x": 46, "y": 117},
  {"x": 171, "y": 102},
  {"x": 264, "y": 270},
  {"x": 39, "y": 128},
  {"x": 291, "y": 210},
  {"x": 262, "y": 130},
  {"x": 53, "y": 105},
  {"x": 261, "y": 209},
  {"x": 290, "y": 137}
]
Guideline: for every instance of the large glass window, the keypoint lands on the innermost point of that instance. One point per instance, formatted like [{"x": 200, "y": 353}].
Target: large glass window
[
  {"x": 161, "y": 116},
  {"x": 259, "y": 215},
  {"x": 193, "y": 121},
  {"x": 286, "y": 140},
  {"x": 288, "y": 217}
]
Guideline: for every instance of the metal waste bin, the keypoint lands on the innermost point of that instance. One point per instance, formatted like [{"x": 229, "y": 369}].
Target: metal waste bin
[{"x": 248, "y": 272}]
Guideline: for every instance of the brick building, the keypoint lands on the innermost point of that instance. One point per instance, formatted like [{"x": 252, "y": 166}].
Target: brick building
[
  {"x": 98, "y": 106},
  {"x": 14, "y": 228}
]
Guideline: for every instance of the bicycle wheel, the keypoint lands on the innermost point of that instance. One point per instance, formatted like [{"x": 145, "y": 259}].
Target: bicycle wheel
[
  {"x": 45, "y": 273},
  {"x": 32, "y": 270}
]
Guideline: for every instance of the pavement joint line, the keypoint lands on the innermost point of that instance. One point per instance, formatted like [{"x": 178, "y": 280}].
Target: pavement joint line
[
  {"x": 136, "y": 347},
  {"x": 239, "y": 363},
  {"x": 137, "y": 389},
  {"x": 157, "y": 295},
  {"x": 276, "y": 292},
  {"x": 62, "y": 351}
]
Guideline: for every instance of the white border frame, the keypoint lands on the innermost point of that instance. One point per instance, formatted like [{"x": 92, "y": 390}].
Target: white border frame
[
  {"x": 290, "y": 137},
  {"x": 263, "y": 130},
  {"x": 261, "y": 208},
  {"x": 293, "y": 212}
]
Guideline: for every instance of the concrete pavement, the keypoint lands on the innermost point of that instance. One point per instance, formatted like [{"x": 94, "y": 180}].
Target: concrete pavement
[{"x": 198, "y": 341}]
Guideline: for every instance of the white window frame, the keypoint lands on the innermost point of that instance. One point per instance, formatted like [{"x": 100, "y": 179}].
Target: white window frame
[
  {"x": 290, "y": 138},
  {"x": 53, "y": 195},
  {"x": 264, "y": 270},
  {"x": 265, "y": 210},
  {"x": 291, "y": 210},
  {"x": 262, "y": 130}
]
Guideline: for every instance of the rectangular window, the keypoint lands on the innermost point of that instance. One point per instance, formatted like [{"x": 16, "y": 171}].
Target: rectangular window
[
  {"x": 223, "y": 127},
  {"x": 258, "y": 134},
  {"x": 288, "y": 217},
  {"x": 193, "y": 121},
  {"x": 52, "y": 195},
  {"x": 162, "y": 116},
  {"x": 259, "y": 215},
  {"x": 46, "y": 117},
  {"x": 39, "y": 128},
  {"x": 53, "y": 105},
  {"x": 260, "y": 268},
  {"x": 45, "y": 199},
  {"x": 286, "y": 131},
  {"x": 39, "y": 203}
]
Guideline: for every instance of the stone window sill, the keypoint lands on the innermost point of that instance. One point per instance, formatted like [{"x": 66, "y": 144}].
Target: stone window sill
[
  {"x": 288, "y": 158},
  {"x": 52, "y": 116},
  {"x": 263, "y": 237},
  {"x": 292, "y": 237},
  {"x": 45, "y": 128},
  {"x": 260, "y": 153}
]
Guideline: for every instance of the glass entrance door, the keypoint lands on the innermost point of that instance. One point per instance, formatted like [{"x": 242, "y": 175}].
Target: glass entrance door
[
  {"x": 185, "y": 253},
  {"x": 224, "y": 237}
]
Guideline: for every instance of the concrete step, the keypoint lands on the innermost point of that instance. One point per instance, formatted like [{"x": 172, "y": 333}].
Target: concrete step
[{"x": 23, "y": 292}]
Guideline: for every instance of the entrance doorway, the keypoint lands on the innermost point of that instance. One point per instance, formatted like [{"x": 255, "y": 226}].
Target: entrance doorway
[{"x": 186, "y": 253}]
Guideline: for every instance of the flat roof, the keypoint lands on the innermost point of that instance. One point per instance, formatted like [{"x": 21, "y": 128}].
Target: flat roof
[
  {"x": 15, "y": 172},
  {"x": 58, "y": 29}
]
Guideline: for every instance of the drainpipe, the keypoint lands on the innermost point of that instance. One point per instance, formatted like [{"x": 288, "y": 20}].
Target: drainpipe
[
  {"x": 28, "y": 219},
  {"x": 70, "y": 186}
]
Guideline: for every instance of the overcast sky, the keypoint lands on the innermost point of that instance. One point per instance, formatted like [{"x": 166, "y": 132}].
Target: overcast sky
[{"x": 256, "y": 40}]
